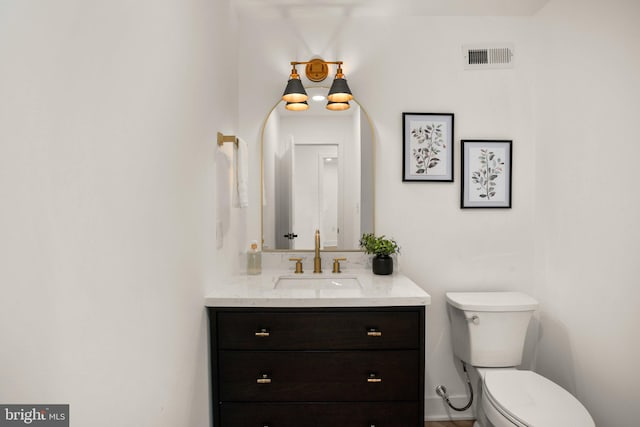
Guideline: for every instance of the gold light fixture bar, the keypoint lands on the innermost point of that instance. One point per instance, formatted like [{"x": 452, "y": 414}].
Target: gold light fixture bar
[{"x": 317, "y": 69}]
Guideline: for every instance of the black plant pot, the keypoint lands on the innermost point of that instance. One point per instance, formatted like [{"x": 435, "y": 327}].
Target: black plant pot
[{"x": 382, "y": 264}]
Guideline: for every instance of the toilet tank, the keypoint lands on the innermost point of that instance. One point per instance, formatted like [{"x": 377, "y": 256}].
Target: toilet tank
[{"x": 488, "y": 329}]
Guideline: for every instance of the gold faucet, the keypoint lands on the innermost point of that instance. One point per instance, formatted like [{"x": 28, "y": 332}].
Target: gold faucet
[{"x": 317, "y": 261}]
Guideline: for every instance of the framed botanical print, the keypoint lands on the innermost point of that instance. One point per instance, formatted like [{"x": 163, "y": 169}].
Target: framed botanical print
[
  {"x": 427, "y": 149},
  {"x": 486, "y": 174}
]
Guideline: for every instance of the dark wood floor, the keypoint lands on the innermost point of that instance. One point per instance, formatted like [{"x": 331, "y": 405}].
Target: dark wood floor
[{"x": 448, "y": 424}]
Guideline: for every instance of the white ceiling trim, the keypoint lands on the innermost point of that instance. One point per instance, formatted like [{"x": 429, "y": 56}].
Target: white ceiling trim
[{"x": 301, "y": 9}]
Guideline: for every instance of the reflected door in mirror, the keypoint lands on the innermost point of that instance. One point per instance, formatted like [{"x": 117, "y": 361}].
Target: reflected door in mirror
[{"x": 316, "y": 195}]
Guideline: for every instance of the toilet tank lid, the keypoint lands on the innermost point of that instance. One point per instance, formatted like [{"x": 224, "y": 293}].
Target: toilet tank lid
[{"x": 491, "y": 301}]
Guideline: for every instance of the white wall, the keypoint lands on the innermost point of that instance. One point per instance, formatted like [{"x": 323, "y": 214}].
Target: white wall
[
  {"x": 572, "y": 236},
  {"x": 445, "y": 248},
  {"x": 108, "y": 113},
  {"x": 588, "y": 204},
  {"x": 414, "y": 64},
  {"x": 112, "y": 190}
]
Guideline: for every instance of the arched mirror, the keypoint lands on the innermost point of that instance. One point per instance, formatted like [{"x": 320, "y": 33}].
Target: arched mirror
[{"x": 317, "y": 173}]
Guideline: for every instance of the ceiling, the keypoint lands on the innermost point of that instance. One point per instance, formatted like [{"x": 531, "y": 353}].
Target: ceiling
[{"x": 340, "y": 8}]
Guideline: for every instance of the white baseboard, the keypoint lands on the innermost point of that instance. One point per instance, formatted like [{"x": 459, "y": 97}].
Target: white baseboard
[{"x": 436, "y": 409}]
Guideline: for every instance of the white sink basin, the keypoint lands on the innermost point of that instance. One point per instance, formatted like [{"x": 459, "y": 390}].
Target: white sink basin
[{"x": 318, "y": 283}]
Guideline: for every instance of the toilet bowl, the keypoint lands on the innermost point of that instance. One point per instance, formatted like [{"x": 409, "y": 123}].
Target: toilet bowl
[
  {"x": 488, "y": 333},
  {"x": 524, "y": 399}
]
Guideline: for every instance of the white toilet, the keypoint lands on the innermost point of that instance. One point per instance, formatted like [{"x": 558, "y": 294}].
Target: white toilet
[{"x": 488, "y": 330}]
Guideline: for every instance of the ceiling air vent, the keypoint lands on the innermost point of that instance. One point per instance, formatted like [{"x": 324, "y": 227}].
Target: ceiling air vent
[{"x": 487, "y": 56}]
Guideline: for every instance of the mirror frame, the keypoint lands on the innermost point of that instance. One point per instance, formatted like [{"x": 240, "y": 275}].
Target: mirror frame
[{"x": 373, "y": 167}]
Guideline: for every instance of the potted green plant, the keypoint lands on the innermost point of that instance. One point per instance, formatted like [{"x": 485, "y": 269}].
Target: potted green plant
[{"x": 382, "y": 249}]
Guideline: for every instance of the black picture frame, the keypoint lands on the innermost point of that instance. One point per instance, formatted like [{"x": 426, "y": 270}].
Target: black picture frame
[
  {"x": 427, "y": 148},
  {"x": 486, "y": 173}
]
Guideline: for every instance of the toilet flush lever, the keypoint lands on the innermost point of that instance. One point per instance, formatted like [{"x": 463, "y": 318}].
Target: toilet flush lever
[{"x": 475, "y": 319}]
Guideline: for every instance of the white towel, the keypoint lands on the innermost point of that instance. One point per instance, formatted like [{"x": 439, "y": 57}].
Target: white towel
[{"x": 242, "y": 174}]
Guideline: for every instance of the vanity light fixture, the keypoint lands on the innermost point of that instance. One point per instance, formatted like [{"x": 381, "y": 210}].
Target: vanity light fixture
[
  {"x": 340, "y": 91},
  {"x": 337, "y": 106},
  {"x": 317, "y": 70},
  {"x": 294, "y": 92},
  {"x": 297, "y": 106}
]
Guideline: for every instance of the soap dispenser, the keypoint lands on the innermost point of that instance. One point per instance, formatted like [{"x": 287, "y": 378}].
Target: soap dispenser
[{"x": 254, "y": 259}]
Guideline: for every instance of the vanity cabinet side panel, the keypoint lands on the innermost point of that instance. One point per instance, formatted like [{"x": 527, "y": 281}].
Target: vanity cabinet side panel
[
  {"x": 214, "y": 371},
  {"x": 421, "y": 374}
]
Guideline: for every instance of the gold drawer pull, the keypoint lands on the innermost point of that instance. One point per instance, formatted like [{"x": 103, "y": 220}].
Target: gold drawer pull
[
  {"x": 373, "y": 332},
  {"x": 262, "y": 333},
  {"x": 264, "y": 379},
  {"x": 373, "y": 378}
]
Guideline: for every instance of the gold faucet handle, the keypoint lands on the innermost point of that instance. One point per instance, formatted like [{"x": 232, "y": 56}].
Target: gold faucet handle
[
  {"x": 298, "y": 265},
  {"x": 336, "y": 264}
]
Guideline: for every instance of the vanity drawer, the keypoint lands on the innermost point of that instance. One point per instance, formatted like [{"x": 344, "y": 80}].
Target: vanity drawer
[
  {"x": 378, "y": 414},
  {"x": 313, "y": 330},
  {"x": 270, "y": 376}
]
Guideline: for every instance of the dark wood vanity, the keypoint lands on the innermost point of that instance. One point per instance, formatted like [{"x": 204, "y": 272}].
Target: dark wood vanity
[{"x": 317, "y": 367}]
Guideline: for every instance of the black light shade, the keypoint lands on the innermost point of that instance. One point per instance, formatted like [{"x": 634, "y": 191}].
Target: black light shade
[
  {"x": 294, "y": 92},
  {"x": 338, "y": 106},
  {"x": 297, "y": 106},
  {"x": 339, "y": 91}
]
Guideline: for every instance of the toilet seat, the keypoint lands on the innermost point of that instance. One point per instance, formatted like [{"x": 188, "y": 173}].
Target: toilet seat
[{"x": 527, "y": 399}]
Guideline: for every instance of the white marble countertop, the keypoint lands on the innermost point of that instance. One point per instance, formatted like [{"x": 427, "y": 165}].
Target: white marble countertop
[{"x": 369, "y": 291}]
